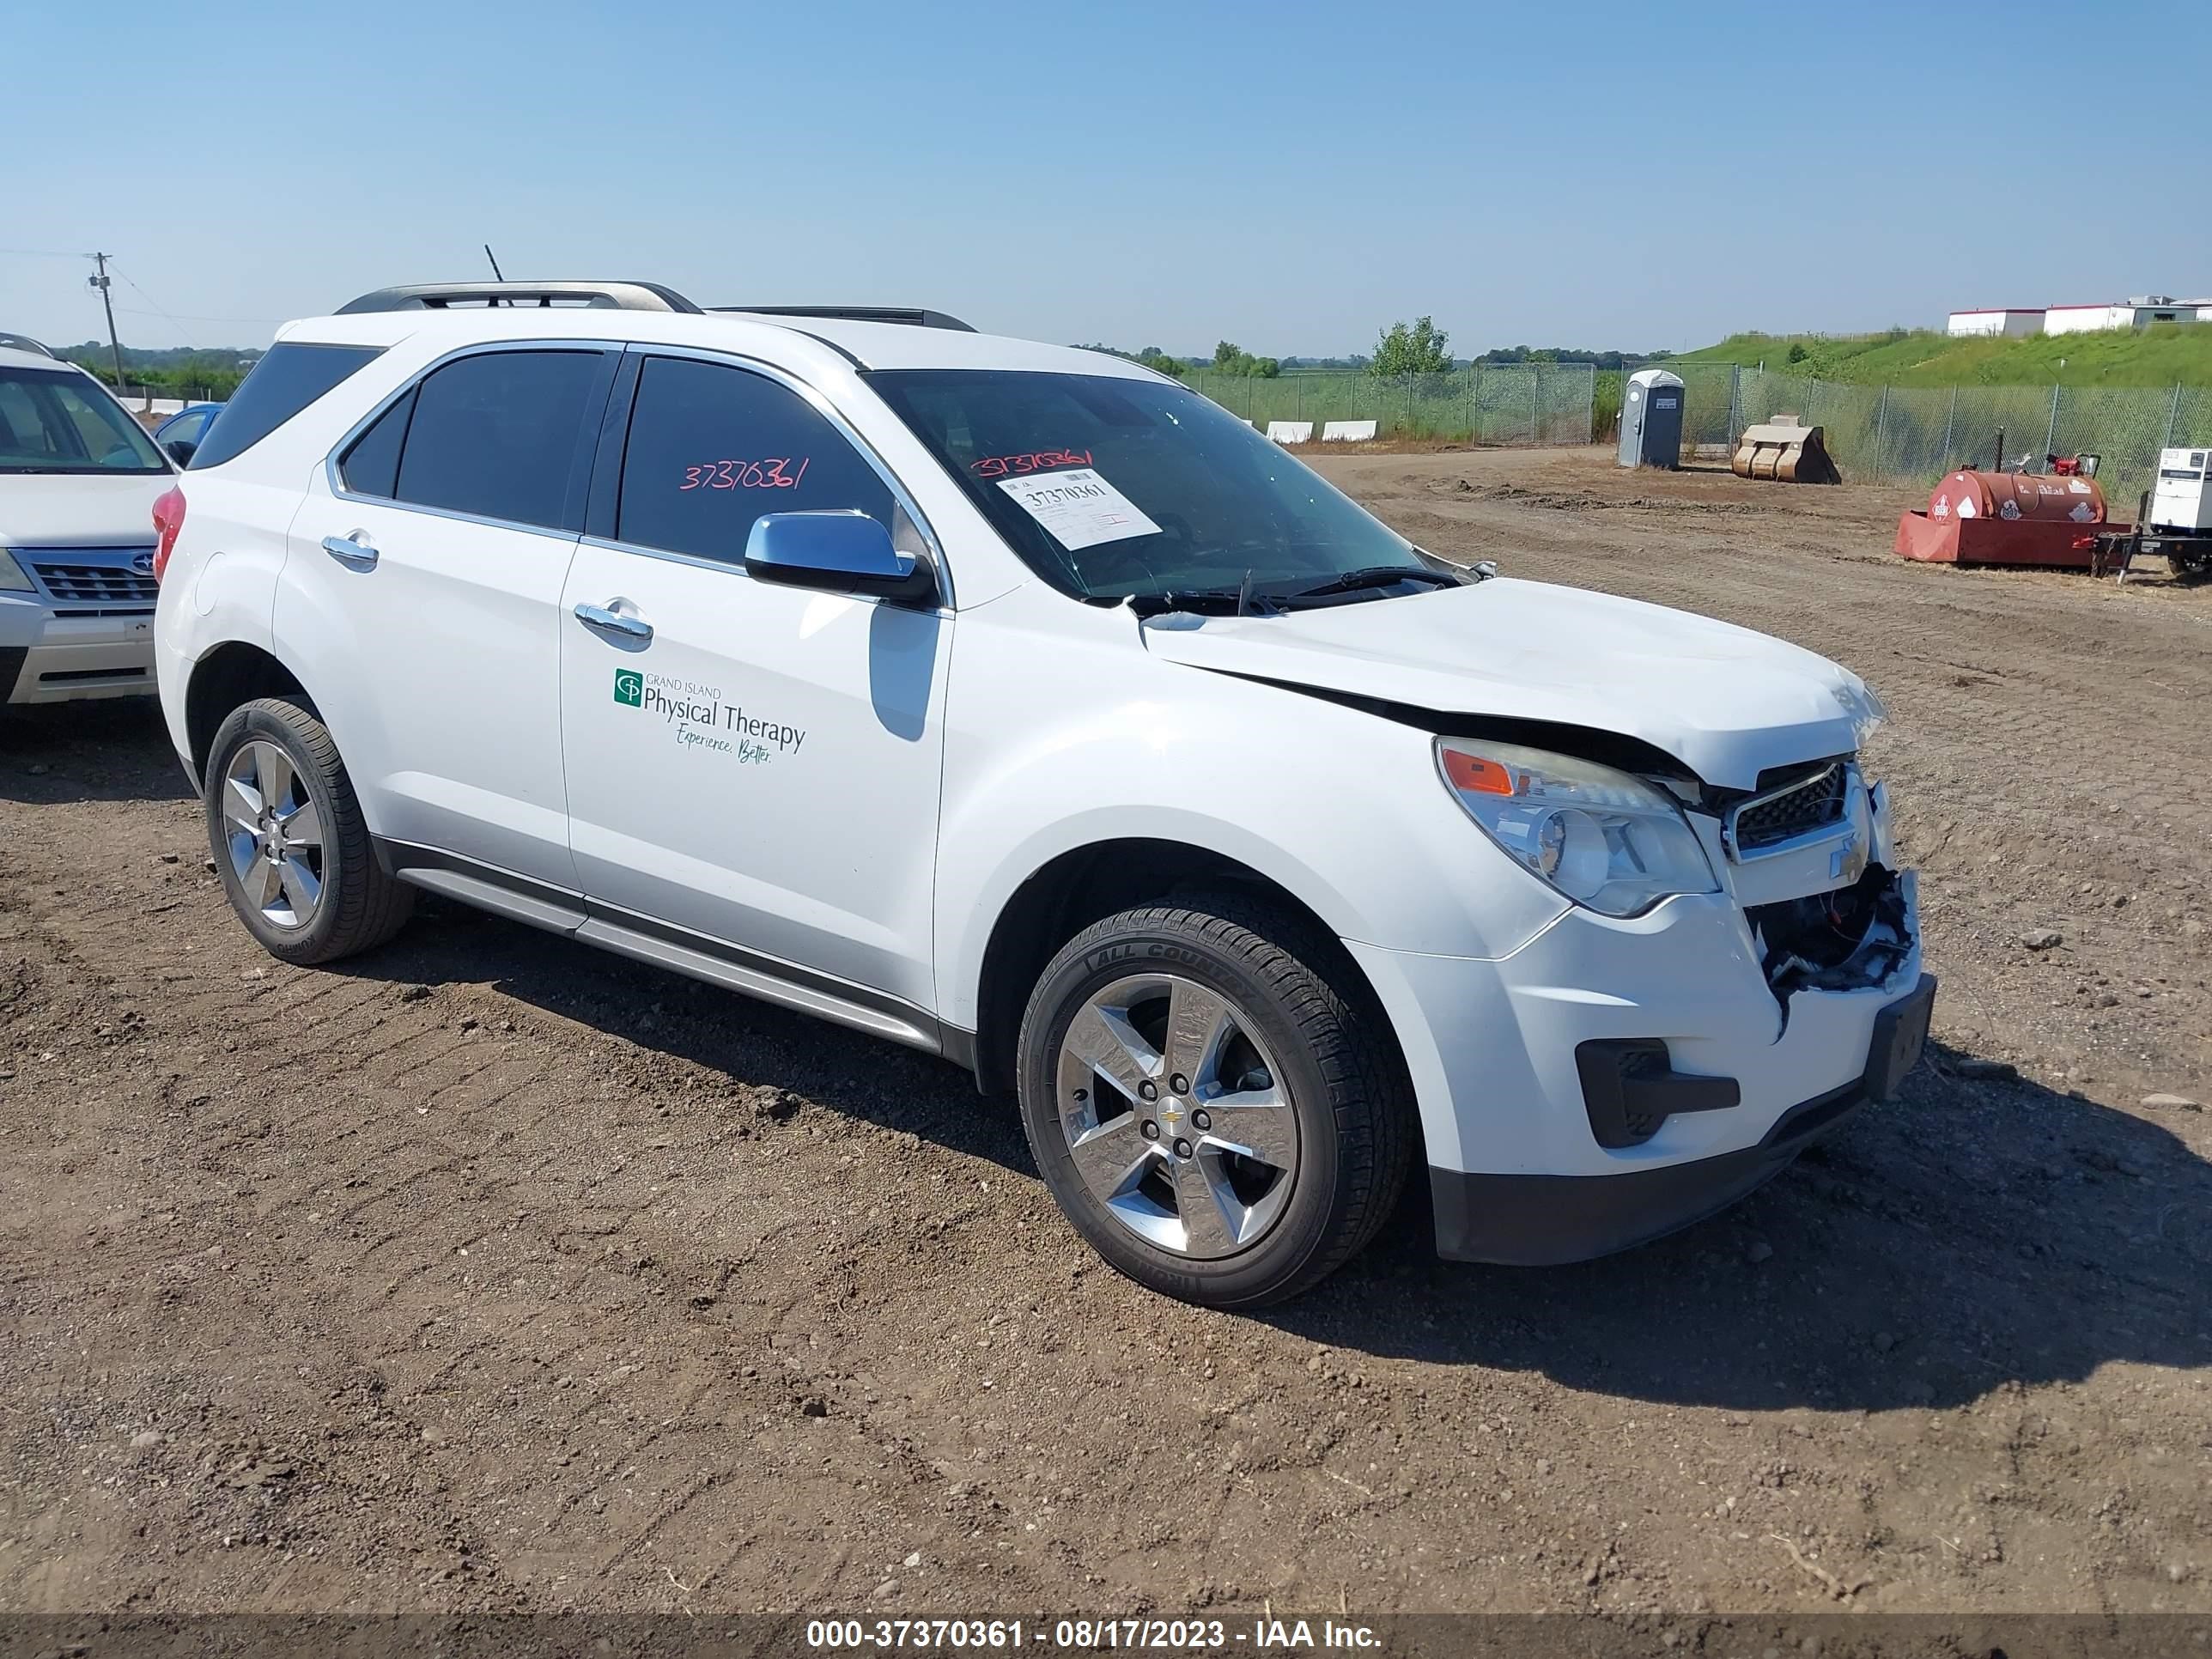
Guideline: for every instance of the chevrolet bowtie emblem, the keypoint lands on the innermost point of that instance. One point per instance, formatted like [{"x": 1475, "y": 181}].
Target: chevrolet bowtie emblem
[
  {"x": 1170, "y": 1117},
  {"x": 1849, "y": 861}
]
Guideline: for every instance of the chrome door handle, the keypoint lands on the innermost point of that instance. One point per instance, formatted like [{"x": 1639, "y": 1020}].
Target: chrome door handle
[
  {"x": 353, "y": 551},
  {"x": 613, "y": 621}
]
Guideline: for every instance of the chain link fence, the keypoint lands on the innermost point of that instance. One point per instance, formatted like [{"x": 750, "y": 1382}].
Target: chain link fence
[
  {"x": 1524, "y": 403},
  {"x": 1877, "y": 434},
  {"x": 1900, "y": 434}
]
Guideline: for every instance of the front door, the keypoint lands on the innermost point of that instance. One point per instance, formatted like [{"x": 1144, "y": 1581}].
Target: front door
[
  {"x": 433, "y": 577},
  {"x": 750, "y": 764}
]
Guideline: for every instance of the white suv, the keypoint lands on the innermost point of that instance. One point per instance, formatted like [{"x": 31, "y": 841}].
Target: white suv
[
  {"x": 78, "y": 480},
  {"x": 1015, "y": 702}
]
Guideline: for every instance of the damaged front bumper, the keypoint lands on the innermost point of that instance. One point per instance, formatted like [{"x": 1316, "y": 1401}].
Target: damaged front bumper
[{"x": 1615, "y": 1078}]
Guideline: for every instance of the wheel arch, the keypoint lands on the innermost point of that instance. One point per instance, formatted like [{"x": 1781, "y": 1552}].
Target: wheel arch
[
  {"x": 231, "y": 674},
  {"x": 1079, "y": 886}
]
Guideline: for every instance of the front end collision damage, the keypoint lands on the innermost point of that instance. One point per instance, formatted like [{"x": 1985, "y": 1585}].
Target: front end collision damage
[{"x": 1847, "y": 939}]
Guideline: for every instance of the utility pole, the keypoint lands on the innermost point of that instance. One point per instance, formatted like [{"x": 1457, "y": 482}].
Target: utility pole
[{"x": 99, "y": 280}]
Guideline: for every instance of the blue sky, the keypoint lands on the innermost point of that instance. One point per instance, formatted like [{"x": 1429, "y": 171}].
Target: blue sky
[{"x": 1290, "y": 176}]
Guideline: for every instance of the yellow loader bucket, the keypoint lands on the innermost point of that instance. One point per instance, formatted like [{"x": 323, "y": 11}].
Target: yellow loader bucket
[{"x": 1784, "y": 451}]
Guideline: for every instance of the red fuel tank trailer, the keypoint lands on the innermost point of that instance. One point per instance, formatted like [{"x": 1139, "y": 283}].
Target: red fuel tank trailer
[{"x": 2006, "y": 518}]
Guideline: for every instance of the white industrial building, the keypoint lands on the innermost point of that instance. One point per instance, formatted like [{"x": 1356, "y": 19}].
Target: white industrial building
[
  {"x": 2008, "y": 319},
  {"x": 2140, "y": 312}
]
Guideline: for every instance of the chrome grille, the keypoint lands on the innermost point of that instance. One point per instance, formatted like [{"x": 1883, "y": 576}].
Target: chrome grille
[
  {"x": 1795, "y": 809},
  {"x": 94, "y": 584}
]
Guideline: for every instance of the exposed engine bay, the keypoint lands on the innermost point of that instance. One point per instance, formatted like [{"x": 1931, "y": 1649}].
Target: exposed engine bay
[{"x": 1846, "y": 939}]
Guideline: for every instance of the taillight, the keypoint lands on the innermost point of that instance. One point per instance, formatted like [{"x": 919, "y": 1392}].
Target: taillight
[{"x": 168, "y": 519}]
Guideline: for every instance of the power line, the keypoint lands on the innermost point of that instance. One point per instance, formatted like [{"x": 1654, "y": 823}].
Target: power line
[
  {"x": 157, "y": 304},
  {"x": 39, "y": 253},
  {"x": 193, "y": 316}
]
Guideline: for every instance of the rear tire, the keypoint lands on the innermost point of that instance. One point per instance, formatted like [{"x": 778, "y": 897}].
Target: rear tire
[
  {"x": 1280, "y": 1128},
  {"x": 290, "y": 843}
]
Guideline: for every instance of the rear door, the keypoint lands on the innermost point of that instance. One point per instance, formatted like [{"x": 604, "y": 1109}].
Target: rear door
[
  {"x": 424, "y": 575},
  {"x": 750, "y": 763}
]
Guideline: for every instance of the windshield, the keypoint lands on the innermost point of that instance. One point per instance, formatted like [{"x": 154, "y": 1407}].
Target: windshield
[
  {"x": 57, "y": 421},
  {"x": 1111, "y": 488}
]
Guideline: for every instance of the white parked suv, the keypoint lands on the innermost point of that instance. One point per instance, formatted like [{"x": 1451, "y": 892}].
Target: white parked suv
[
  {"x": 78, "y": 479},
  {"x": 1015, "y": 702}
]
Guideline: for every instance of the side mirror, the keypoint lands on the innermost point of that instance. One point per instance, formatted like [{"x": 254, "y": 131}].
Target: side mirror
[
  {"x": 181, "y": 450},
  {"x": 839, "y": 551}
]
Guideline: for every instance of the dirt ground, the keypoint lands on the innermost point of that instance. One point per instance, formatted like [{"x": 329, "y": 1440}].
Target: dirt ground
[{"x": 489, "y": 1272}]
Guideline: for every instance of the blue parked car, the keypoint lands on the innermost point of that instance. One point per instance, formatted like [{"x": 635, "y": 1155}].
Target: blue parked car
[{"x": 182, "y": 434}]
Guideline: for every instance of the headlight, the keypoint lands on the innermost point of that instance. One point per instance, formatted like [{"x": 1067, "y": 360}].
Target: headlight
[
  {"x": 12, "y": 579},
  {"x": 1605, "y": 839}
]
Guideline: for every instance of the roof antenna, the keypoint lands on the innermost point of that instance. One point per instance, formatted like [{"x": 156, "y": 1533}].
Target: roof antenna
[{"x": 495, "y": 275}]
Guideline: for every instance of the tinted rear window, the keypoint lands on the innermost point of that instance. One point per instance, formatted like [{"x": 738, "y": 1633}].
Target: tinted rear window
[
  {"x": 281, "y": 383},
  {"x": 371, "y": 467},
  {"x": 498, "y": 435}
]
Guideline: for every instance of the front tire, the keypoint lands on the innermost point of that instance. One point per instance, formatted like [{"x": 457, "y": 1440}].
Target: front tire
[
  {"x": 1213, "y": 1099},
  {"x": 289, "y": 840}
]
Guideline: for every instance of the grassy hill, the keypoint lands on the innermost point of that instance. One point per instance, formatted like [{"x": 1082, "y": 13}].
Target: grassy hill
[{"x": 2157, "y": 356}]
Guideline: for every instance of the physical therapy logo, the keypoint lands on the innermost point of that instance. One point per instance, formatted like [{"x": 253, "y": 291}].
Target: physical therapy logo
[{"x": 696, "y": 714}]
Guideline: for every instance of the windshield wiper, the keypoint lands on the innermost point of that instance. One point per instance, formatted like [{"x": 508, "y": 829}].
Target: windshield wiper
[
  {"x": 1202, "y": 601},
  {"x": 1373, "y": 575}
]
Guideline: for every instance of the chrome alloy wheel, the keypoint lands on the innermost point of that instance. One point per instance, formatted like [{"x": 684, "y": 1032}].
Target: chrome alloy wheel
[
  {"x": 1176, "y": 1115},
  {"x": 274, "y": 835}
]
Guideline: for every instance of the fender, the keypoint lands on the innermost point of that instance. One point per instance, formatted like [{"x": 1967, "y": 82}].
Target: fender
[{"x": 1183, "y": 754}]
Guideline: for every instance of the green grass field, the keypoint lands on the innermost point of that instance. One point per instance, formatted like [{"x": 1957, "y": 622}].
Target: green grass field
[{"x": 2163, "y": 355}]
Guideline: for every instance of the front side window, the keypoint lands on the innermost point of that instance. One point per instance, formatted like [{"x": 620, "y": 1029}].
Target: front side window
[
  {"x": 1111, "y": 488},
  {"x": 495, "y": 436},
  {"x": 712, "y": 448},
  {"x": 57, "y": 421}
]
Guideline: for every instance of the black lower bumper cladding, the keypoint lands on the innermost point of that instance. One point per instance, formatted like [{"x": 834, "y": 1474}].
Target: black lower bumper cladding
[{"x": 1543, "y": 1220}]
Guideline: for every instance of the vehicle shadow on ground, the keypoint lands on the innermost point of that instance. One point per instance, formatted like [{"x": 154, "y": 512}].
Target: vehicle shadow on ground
[
  {"x": 750, "y": 1042},
  {"x": 1975, "y": 1232},
  {"x": 115, "y": 749}
]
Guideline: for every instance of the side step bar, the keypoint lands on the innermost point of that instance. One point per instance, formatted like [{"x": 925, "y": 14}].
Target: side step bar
[
  {"x": 754, "y": 982},
  {"x": 522, "y": 900},
  {"x": 490, "y": 896}
]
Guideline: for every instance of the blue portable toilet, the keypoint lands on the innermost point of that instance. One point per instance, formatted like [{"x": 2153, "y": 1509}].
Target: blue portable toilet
[{"x": 1651, "y": 419}]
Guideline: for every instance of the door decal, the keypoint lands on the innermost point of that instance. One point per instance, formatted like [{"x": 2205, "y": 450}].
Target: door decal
[{"x": 698, "y": 718}]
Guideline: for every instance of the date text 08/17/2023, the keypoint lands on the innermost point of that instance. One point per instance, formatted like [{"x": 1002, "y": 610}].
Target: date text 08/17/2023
[{"x": 1261, "y": 1635}]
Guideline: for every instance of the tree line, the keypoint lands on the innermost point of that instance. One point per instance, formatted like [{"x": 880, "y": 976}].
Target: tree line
[
  {"x": 215, "y": 375},
  {"x": 1402, "y": 348}
]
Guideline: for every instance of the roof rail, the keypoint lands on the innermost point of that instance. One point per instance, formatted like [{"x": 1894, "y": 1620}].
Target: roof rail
[
  {"x": 24, "y": 343},
  {"x": 913, "y": 316},
  {"x": 597, "y": 297}
]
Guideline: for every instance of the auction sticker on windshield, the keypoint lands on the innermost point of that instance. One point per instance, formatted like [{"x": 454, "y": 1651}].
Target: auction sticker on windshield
[{"x": 1079, "y": 508}]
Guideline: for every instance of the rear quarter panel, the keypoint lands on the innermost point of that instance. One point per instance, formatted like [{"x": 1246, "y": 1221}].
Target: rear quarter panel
[{"x": 220, "y": 583}]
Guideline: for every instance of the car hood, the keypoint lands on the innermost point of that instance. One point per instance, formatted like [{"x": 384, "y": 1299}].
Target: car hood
[
  {"x": 1725, "y": 702},
  {"x": 79, "y": 509}
]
